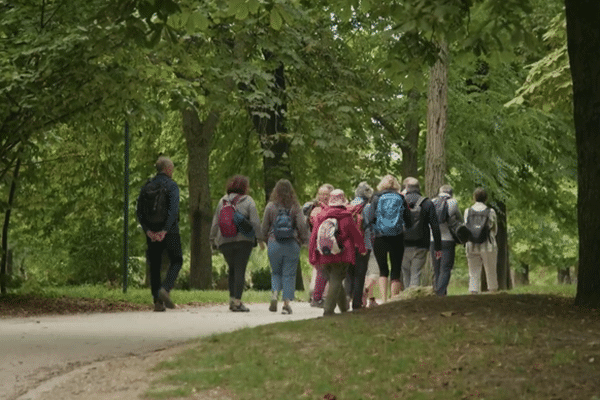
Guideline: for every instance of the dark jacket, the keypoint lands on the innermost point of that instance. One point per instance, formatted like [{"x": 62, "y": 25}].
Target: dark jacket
[
  {"x": 172, "y": 223},
  {"x": 429, "y": 217},
  {"x": 349, "y": 238}
]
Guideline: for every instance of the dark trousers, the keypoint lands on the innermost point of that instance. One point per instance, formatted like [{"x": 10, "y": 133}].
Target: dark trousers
[
  {"x": 442, "y": 268},
  {"x": 172, "y": 244},
  {"x": 236, "y": 256},
  {"x": 335, "y": 294},
  {"x": 394, "y": 246},
  {"x": 355, "y": 279}
]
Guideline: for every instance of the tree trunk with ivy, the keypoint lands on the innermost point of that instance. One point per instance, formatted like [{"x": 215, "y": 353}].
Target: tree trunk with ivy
[{"x": 583, "y": 41}]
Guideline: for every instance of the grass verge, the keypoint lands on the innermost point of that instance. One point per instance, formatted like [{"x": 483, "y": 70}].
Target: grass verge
[{"x": 500, "y": 346}]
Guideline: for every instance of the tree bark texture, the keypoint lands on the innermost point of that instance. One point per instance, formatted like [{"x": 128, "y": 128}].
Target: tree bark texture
[
  {"x": 410, "y": 147},
  {"x": 522, "y": 277},
  {"x": 276, "y": 164},
  {"x": 583, "y": 41},
  {"x": 503, "y": 265},
  {"x": 276, "y": 147},
  {"x": 563, "y": 276},
  {"x": 437, "y": 120},
  {"x": 11, "y": 197},
  {"x": 198, "y": 136}
]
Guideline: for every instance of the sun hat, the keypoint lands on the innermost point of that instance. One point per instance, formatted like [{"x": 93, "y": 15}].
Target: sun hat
[{"x": 337, "y": 198}]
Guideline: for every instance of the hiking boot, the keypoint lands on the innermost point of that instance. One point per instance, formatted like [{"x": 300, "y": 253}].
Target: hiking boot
[
  {"x": 273, "y": 306},
  {"x": 317, "y": 303},
  {"x": 231, "y": 305},
  {"x": 159, "y": 306},
  {"x": 239, "y": 308},
  {"x": 163, "y": 295},
  {"x": 286, "y": 309}
]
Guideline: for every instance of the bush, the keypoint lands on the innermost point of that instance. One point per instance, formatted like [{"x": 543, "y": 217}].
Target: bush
[{"x": 261, "y": 279}]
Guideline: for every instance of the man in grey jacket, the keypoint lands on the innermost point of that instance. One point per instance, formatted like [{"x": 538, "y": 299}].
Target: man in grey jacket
[{"x": 449, "y": 216}]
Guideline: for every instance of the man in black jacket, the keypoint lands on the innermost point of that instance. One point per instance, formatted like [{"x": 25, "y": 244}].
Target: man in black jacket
[
  {"x": 161, "y": 226},
  {"x": 416, "y": 239}
]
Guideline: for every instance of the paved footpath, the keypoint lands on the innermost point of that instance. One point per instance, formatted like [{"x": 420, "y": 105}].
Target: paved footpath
[{"x": 37, "y": 351}]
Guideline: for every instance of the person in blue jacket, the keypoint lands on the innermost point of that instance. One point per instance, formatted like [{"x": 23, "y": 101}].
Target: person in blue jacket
[{"x": 162, "y": 235}]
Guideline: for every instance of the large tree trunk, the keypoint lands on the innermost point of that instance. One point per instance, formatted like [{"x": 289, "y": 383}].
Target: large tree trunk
[
  {"x": 276, "y": 161},
  {"x": 583, "y": 40},
  {"x": 410, "y": 147},
  {"x": 503, "y": 265},
  {"x": 437, "y": 120},
  {"x": 198, "y": 136},
  {"x": 11, "y": 197},
  {"x": 276, "y": 148}
]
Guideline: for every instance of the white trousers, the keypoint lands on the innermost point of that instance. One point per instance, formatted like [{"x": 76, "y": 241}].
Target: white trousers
[{"x": 487, "y": 260}]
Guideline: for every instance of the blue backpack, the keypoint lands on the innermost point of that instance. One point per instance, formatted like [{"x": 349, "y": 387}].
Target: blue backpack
[
  {"x": 283, "y": 228},
  {"x": 389, "y": 214}
]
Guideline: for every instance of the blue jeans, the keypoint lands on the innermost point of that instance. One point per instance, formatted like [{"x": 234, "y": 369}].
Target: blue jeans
[
  {"x": 284, "y": 257},
  {"x": 442, "y": 268}
]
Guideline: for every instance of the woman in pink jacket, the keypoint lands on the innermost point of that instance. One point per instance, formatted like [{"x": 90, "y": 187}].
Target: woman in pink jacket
[{"x": 348, "y": 239}]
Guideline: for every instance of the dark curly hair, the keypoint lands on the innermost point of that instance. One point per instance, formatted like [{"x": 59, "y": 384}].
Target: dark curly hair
[{"x": 237, "y": 184}]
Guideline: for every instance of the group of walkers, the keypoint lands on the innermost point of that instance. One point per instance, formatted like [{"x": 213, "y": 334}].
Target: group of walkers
[{"x": 381, "y": 236}]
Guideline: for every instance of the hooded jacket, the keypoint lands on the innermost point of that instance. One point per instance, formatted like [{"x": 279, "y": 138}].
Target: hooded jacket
[{"x": 349, "y": 238}]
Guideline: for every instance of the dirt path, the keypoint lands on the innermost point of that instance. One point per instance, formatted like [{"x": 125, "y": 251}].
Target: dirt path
[{"x": 107, "y": 356}]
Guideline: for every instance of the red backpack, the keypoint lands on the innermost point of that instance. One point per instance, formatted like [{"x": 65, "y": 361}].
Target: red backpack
[
  {"x": 356, "y": 211},
  {"x": 226, "y": 218}
]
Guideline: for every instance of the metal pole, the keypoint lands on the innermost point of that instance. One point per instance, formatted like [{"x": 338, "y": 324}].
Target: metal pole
[{"x": 126, "y": 208}]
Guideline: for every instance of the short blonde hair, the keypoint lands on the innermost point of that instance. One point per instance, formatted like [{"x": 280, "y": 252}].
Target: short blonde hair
[{"x": 388, "y": 182}]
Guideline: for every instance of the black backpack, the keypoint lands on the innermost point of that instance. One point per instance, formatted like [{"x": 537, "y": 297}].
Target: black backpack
[
  {"x": 415, "y": 232},
  {"x": 154, "y": 202},
  {"x": 477, "y": 223}
]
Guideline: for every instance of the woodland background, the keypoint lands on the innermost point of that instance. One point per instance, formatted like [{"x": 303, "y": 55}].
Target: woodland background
[{"x": 467, "y": 92}]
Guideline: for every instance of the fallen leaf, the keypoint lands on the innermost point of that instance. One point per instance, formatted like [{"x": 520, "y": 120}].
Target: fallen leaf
[{"x": 447, "y": 313}]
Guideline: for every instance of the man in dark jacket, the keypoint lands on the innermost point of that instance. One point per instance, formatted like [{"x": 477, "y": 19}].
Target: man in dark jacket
[
  {"x": 162, "y": 235},
  {"x": 416, "y": 239}
]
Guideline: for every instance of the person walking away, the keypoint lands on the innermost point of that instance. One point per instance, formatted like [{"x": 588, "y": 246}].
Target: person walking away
[
  {"x": 416, "y": 239},
  {"x": 481, "y": 249},
  {"x": 332, "y": 245},
  {"x": 355, "y": 277},
  {"x": 158, "y": 214},
  {"x": 449, "y": 216},
  {"x": 389, "y": 216},
  {"x": 235, "y": 243},
  {"x": 284, "y": 229},
  {"x": 318, "y": 281}
]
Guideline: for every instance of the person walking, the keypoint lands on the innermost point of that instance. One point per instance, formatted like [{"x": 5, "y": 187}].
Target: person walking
[
  {"x": 416, "y": 239},
  {"x": 335, "y": 263},
  {"x": 355, "y": 277},
  {"x": 318, "y": 280},
  {"x": 390, "y": 217},
  {"x": 158, "y": 214},
  {"x": 284, "y": 229},
  {"x": 449, "y": 216},
  {"x": 481, "y": 249},
  {"x": 236, "y": 246}
]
